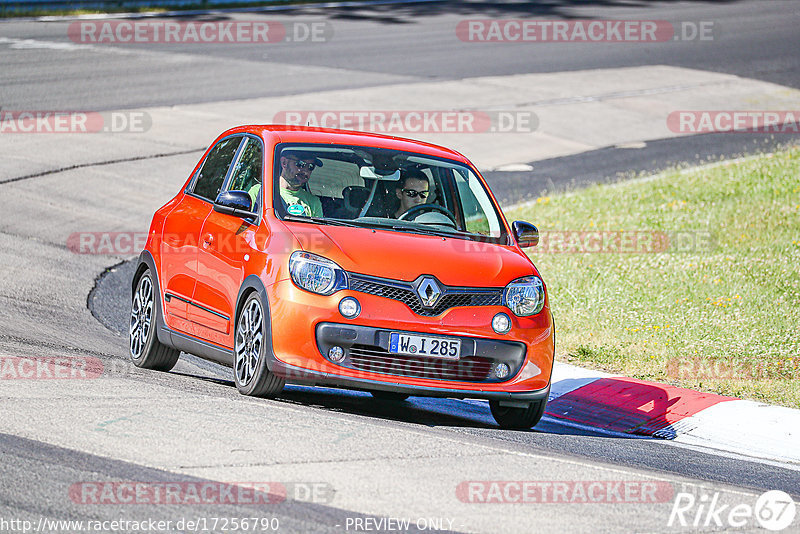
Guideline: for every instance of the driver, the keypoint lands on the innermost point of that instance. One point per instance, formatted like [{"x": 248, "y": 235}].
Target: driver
[
  {"x": 412, "y": 191},
  {"x": 296, "y": 169}
]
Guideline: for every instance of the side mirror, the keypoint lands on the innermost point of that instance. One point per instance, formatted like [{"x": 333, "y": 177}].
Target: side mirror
[
  {"x": 236, "y": 203},
  {"x": 526, "y": 234}
]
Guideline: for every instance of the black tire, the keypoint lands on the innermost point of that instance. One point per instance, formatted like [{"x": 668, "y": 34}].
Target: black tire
[
  {"x": 251, "y": 343},
  {"x": 517, "y": 418},
  {"x": 144, "y": 348},
  {"x": 389, "y": 396}
]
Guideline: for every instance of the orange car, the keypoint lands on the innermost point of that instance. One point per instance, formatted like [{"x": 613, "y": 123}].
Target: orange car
[{"x": 346, "y": 259}]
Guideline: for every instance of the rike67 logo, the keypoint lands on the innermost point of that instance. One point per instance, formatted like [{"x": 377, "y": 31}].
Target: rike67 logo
[{"x": 774, "y": 510}]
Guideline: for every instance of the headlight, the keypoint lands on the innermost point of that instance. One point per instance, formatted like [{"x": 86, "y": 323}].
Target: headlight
[
  {"x": 316, "y": 274},
  {"x": 524, "y": 296}
]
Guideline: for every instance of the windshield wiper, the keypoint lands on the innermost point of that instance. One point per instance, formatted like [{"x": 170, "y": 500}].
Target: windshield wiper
[
  {"x": 320, "y": 220},
  {"x": 440, "y": 233},
  {"x": 431, "y": 231}
]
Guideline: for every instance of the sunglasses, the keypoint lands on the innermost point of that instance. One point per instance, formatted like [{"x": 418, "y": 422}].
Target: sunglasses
[
  {"x": 303, "y": 164},
  {"x": 412, "y": 193}
]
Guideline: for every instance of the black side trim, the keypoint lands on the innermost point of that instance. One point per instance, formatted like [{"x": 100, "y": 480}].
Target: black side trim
[
  {"x": 190, "y": 344},
  {"x": 166, "y": 335},
  {"x": 212, "y": 352},
  {"x": 170, "y": 296},
  {"x": 207, "y": 351}
]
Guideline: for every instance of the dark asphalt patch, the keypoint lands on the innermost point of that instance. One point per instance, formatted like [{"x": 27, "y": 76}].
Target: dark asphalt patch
[
  {"x": 611, "y": 164},
  {"x": 110, "y": 299}
]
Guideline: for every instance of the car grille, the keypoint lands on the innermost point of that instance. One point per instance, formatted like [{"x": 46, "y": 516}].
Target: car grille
[
  {"x": 404, "y": 292},
  {"x": 375, "y": 359}
]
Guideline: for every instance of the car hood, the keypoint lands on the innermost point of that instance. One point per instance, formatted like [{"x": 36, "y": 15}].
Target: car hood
[{"x": 404, "y": 256}]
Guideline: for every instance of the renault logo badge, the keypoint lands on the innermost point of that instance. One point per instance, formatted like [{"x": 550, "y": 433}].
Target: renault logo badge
[{"x": 429, "y": 292}]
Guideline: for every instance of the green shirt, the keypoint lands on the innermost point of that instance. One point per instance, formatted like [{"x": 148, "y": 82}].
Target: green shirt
[
  {"x": 310, "y": 204},
  {"x": 255, "y": 193}
]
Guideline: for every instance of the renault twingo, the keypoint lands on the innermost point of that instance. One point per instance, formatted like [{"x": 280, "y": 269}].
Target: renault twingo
[{"x": 350, "y": 260}]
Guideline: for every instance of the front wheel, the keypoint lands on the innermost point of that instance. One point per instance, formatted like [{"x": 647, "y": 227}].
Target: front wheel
[
  {"x": 250, "y": 371},
  {"x": 512, "y": 417},
  {"x": 144, "y": 348}
]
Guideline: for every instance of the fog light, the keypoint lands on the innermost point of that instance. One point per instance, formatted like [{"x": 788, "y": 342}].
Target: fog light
[
  {"x": 501, "y": 370},
  {"x": 501, "y": 323},
  {"x": 349, "y": 307},
  {"x": 336, "y": 354}
]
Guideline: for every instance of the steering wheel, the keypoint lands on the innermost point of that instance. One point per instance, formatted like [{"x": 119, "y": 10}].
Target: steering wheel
[{"x": 416, "y": 211}]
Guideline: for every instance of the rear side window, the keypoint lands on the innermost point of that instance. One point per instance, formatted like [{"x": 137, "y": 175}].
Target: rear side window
[{"x": 212, "y": 174}]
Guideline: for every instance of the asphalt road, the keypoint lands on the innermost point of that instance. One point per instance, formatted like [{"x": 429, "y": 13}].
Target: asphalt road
[
  {"x": 382, "y": 459},
  {"x": 612, "y": 164},
  {"x": 379, "y": 45},
  {"x": 42, "y": 474},
  {"x": 108, "y": 303}
]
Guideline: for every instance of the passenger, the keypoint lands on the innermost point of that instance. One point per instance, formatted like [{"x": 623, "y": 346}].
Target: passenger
[
  {"x": 254, "y": 193},
  {"x": 296, "y": 169},
  {"x": 412, "y": 191}
]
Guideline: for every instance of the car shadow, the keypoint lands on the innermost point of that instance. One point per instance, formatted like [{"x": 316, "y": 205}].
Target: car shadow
[
  {"x": 425, "y": 411},
  {"x": 628, "y": 406}
]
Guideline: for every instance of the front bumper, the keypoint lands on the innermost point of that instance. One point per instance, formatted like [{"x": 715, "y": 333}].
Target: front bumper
[
  {"x": 298, "y": 317},
  {"x": 367, "y": 349}
]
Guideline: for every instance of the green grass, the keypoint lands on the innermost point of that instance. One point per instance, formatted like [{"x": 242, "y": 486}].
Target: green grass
[{"x": 720, "y": 315}]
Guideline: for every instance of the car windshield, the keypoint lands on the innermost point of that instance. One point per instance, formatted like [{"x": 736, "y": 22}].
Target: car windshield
[{"x": 382, "y": 188}]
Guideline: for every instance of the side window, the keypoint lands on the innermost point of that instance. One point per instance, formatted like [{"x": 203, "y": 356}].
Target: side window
[
  {"x": 475, "y": 205},
  {"x": 247, "y": 173},
  {"x": 212, "y": 174}
]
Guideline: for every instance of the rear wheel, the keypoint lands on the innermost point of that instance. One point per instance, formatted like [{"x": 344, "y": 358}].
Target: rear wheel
[
  {"x": 389, "y": 395},
  {"x": 513, "y": 417},
  {"x": 144, "y": 348},
  {"x": 250, "y": 371}
]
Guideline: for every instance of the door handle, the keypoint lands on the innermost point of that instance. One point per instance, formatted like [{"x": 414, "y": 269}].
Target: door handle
[{"x": 208, "y": 240}]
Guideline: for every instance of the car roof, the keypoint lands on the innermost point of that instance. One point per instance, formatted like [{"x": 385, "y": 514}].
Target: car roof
[{"x": 282, "y": 133}]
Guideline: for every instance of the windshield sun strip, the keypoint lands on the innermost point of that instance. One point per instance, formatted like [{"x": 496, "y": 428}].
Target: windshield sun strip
[{"x": 458, "y": 166}]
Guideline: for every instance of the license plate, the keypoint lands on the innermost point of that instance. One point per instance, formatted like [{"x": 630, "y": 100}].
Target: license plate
[{"x": 431, "y": 347}]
